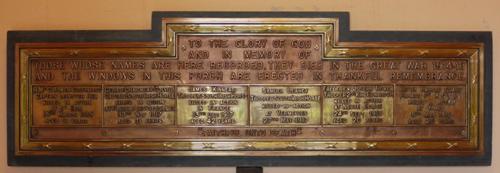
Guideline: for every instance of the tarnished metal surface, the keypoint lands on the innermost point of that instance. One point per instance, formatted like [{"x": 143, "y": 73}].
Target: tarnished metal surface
[{"x": 252, "y": 88}]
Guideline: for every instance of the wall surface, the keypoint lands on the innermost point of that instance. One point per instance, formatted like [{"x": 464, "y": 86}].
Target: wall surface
[{"x": 434, "y": 15}]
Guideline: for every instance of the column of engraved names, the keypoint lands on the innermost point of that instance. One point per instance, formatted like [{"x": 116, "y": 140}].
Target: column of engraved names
[
  {"x": 437, "y": 95},
  {"x": 358, "y": 105},
  {"x": 212, "y": 105},
  {"x": 431, "y": 105},
  {"x": 66, "y": 106},
  {"x": 285, "y": 105},
  {"x": 136, "y": 106}
]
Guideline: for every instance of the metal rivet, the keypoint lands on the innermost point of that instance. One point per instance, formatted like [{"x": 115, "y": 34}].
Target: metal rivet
[
  {"x": 74, "y": 52},
  {"x": 309, "y": 28},
  {"x": 167, "y": 145},
  {"x": 332, "y": 145},
  {"x": 208, "y": 145},
  {"x": 170, "y": 40},
  {"x": 343, "y": 52},
  {"x": 35, "y": 53},
  {"x": 229, "y": 28},
  {"x": 47, "y": 146},
  {"x": 193, "y": 28},
  {"x": 88, "y": 146},
  {"x": 473, "y": 118},
  {"x": 423, "y": 52},
  {"x": 322, "y": 132},
  {"x": 411, "y": 145},
  {"x": 291, "y": 146},
  {"x": 371, "y": 145},
  {"x": 383, "y": 51},
  {"x": 452, "y": 145},
  {"x": 126, "y": 146},
  {"x": 249, "y": 146}
]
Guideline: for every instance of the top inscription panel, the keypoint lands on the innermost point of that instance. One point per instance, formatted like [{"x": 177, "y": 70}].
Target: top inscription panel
[{"x": 214, "y": 87}]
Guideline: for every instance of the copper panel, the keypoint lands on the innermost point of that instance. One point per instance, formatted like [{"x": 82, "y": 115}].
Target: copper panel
[{"x": 250, "y": 88}]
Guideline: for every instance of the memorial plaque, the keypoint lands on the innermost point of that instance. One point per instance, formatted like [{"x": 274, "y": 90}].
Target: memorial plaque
[{"x": 284, "y": 89}]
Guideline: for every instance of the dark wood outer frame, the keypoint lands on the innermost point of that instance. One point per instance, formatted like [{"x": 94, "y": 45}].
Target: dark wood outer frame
[{"x": 154, "y": 35}]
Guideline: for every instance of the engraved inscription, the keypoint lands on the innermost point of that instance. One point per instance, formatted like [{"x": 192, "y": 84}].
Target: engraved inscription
[
  {"x": 358, "y": 105},
  {"x": 248, "y": 86},
  {"x": 240, "y": 59},
  {"x": 139, "y": 106},
  {"x": 430, "y": 105},
  {"x": 250, "y": 132},
  {"x": 212, "y": 105},
  {"x": 285, "y": 105},
  {"x": 66, "y": 106}
]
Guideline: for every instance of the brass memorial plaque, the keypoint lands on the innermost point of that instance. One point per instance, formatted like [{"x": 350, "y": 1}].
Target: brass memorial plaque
[{"x": 274, "y": 86}]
